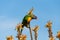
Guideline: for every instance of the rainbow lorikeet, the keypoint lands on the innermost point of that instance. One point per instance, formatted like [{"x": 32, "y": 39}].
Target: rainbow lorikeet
[{"x": 27, "y": 19}]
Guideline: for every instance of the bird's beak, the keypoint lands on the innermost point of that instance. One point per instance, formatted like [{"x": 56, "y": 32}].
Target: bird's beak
[{"x": 35, "y": 17}]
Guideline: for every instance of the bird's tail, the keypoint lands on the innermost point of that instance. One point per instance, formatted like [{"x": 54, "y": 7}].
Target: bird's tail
[{"x": 22, "y": 29}]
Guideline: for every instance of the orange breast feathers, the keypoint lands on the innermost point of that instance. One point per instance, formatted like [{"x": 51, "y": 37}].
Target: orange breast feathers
[{"x": 29, "y": 19}]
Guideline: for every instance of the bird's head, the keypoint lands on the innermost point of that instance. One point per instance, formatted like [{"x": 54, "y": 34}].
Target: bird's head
[{"x": 31, "y": 14}]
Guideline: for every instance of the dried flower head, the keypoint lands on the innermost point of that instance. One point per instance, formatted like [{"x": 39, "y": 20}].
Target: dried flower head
[
  {"x": 35, "y": 28},
  {"x": 30, "y": 12},
  {"x": 19, "y": 26},
  {"x": 51, "y": 38},
  {"x": 10, "y": 38},
  {"x": 58, "y": 34},
  {"x": 49, "y": 24},
  {"x": 23, "y": 37}
]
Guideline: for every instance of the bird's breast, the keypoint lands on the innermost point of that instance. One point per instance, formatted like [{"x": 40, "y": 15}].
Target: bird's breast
[{"x": 29, "y": 19}]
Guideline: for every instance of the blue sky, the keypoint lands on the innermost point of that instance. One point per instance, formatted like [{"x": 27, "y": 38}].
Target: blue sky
[{"x": 13, "y": 11}]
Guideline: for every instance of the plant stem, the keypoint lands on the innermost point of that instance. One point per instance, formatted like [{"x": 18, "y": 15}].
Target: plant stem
[
  {"x": 59, "y": 38},
  {"x": 50, "y": 33},
  {"x": 35, "y": 35},
  {"x": 30, "y": 32}
]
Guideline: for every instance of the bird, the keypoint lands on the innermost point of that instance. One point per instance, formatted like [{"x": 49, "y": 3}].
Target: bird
[{"x": 27, "y": 19}]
